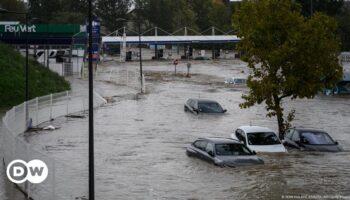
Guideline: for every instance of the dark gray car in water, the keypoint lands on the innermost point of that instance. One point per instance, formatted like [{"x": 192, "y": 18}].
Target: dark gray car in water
[
  {"x": 223, "y": 152},
  {"x": 197, "y": 106},
  {"x": 310, "y": 140}
]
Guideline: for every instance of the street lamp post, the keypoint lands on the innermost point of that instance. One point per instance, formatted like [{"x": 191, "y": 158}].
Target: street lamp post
[
  {"x": 140, "y": 51},
  {"x": 2, "y": 10},
  {"x": 140, "y": 57},
  {"x": 91, "y": 113}
]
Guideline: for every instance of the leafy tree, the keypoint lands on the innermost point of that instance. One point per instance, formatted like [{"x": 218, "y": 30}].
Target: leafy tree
[
  {"x": 201, "y": 9},
  {"x": 169, "y": 15},
  {"x": 219, "y": 16},
  {"x": 69, "y": 17},
  {"x": 110, "y": 10},
  {"x": 290, "y": 56},
  {"x": 329, "y": 7},
  {"x": 59, "y": 11},
  {"x": 184, "y": 16},
  {"x": 12, "y": 5},
  {"x": 344, "y": 26},
  {"x": 210, "y": 13},
  {"x": 43, "y": 9}
]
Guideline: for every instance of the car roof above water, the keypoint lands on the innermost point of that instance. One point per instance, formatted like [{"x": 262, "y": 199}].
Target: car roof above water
[
  {"x": 203, "y": 100},
  {"x": 309, "y": 130},
  {"x": 221, "y": 140},
  {"x": 254, "y": 129}
]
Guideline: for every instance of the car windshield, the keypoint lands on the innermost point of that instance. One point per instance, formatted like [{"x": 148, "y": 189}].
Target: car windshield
[
  {"x": 316, "y": 138},
  {"x": 263, "y": 138},
  {"x": 231, "y": 149},
  {"x": 210, "y": 107}
]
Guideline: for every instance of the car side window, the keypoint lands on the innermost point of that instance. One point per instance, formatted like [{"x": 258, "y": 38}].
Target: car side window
[
  {"x": 289, "y": 133},
  {"x": 201, "y": 144},
  {"x": 189, "y": 102},
  {"x": 197, "y": 144},
  {"x": 192, "y": 103},
  {"x": 195, "y": 104},
  {"x": 296, "y": 136},
  {"x": 210, "y": 147}
]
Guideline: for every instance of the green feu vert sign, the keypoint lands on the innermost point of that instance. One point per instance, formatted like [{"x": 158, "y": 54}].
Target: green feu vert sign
[
  {"x": 18, "y": 28},
  {"x": 42, "y": 28}
]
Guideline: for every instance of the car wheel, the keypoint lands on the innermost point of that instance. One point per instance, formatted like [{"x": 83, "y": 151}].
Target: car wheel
[
  {"x": 188, "y": 154},
  {"x": 185, "y": 109}
]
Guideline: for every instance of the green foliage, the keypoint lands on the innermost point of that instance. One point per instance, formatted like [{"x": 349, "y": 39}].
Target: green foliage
[
  {"x": 166, "y": 14},
  {"x": 201, "y": 9},
  {"x": 59, "y": 11},
  {"x": 219, "y": 16},
  {"x": 42, "y": 81},
  {"x": 68, "y": 17},
  {"x": 110, "y": 10},
  {"x": 45, "y": 10},
  {"x": 344, "y": 26},
  {"x": 329, "y": 7},
  {"x": 12, "y": 5},
  {"x": 171, "y": 15},
  {"x": 289, "y": 55}
]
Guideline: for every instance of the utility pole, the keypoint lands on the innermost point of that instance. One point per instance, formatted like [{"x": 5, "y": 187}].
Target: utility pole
[
  {"x": 91, "y": 114},
  {"x": 140, "y": 51}
]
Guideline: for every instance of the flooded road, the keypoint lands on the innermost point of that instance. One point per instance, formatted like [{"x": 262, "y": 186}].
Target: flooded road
[{"x": 140, "y": 142}]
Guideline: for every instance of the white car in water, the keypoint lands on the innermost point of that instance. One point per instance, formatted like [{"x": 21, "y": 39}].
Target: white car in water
[{"x": 259, "y": 139}]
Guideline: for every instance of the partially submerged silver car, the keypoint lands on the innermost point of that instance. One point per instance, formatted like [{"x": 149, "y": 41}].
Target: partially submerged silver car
[
  {"x": 223, "y": 152},
  {"x": 197, "y": 106}
]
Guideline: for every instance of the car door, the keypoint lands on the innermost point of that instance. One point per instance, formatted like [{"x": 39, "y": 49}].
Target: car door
[
  {"x": 188, "y": 105},
  {"x": 199, "y": 149},
  {"x": 209, "y": 153},
  {"x": 195, "y": 107},
  {"x": 192, "y": 105}
]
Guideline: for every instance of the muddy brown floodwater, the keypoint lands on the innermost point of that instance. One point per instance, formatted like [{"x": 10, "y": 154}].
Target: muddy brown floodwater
[{"x": 140, "y": 143}]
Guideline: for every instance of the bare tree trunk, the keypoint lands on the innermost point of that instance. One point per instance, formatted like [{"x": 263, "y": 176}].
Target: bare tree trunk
[
  {"x": 279, "y": 115},
  {"x": 281, "y": 130}
]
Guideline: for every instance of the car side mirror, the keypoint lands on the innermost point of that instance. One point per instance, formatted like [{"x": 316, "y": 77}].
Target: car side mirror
[
  {"x": 336, "y": 142},
  {"x": 224, "y": 111},
  {"x": 254, "y": 152}
]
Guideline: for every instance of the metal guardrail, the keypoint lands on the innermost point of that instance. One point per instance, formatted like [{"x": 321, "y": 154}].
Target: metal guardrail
[{"x": 59, "y": 184}]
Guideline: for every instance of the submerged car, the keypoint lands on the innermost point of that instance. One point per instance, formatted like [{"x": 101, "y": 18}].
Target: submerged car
[
  {"x": 203, "y": 106},
  {"x": 259, "y": 139},
  {"x": 310, "y": 140},
  {"x": 223, "y": 152},
  {"x": 236, "y": 81}
]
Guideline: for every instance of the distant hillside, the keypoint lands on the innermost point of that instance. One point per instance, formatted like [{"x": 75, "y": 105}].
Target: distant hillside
[{"x": 42, "y": 81}]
